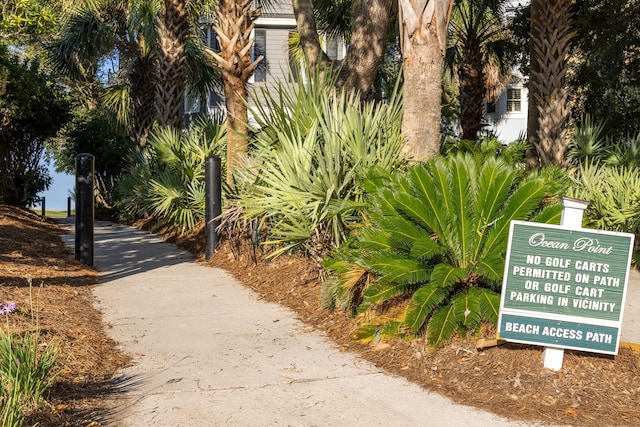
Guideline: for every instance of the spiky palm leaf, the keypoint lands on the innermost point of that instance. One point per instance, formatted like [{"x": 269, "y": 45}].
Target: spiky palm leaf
[
  {"x": 438, "y": 235},
  {"x": 166, "y": 181},
  {"x": 311, "y": 144}
]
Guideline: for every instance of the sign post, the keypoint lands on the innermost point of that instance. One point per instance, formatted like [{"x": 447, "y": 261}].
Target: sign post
[
  {"x": 572, "y": 213},
  {"x": 564, "y": 286}
]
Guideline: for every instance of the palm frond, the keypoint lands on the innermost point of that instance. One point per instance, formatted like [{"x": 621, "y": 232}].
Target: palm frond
[
  {"x": 442, "y": 325},
  {"x": 422, "y": 303},
  {"x": 466, "y": 306}
]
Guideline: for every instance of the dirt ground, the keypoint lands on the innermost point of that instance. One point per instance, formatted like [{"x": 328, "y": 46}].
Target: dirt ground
[
  {"x": 53, "y": 294},
  {"x": 509, "y": 380}
]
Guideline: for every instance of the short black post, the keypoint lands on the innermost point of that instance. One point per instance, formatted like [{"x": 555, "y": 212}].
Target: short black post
[
  {"x": 68, "y": 207},
  {"x": 213, "y": 203},
  {"x": 43, "y": 206},
  {"x": 84, "y": 208}
]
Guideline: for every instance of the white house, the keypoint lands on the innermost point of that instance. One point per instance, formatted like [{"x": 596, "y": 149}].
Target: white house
[{"x": 506, "y": 118}]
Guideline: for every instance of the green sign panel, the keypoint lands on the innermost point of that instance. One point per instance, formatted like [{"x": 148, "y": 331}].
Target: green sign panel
[
  {"x": 558, "y": 274},
  {"x": 557, "y": 333}
]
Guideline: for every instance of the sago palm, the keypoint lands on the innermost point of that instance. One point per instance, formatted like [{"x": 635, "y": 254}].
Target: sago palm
[{"x": 435, "y": 246}]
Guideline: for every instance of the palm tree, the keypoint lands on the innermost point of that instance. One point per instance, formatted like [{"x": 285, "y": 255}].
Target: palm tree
[
  {"x": 435, "y": 245},
  {"x": 478, "y": 45},
  {"x": 551, "y": 34},
  {"x": 363, "y": 24},
  {"x": 235, "y": 22},
  {"x": 139, "y": 32}
]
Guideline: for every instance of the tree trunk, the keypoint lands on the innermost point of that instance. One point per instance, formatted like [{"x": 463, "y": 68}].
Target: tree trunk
[
  {"x": 236, "y": 19},
  {"x": 532, "y": 109},
  {"x": 422, "y": 90},
  {"x": 370, "y": 22},
  {"x": 308, "y": 32},
  {"x": 143, "y": 84},
  {"x": 551, "y": 48},
  {"x": 423, "y": 36},
  {"x": 235, "y": 96},
  {"x": 173, "y": 28},
  {"x": 472, "y": 91}
]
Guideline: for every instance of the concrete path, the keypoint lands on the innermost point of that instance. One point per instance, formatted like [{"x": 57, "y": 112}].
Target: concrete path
[{"x": 207, "y": 352}]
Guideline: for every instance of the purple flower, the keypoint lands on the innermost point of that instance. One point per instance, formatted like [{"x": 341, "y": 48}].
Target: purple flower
[{"x": 7, "y": 307}]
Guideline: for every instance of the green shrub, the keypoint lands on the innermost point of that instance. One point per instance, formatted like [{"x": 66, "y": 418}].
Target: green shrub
[
  {"x": 613, "y": 194},
  {"x": 432, "y": 254},
  {"x": 165, "y": 181},
  {"x": 311, "y": 143},
  {"x": 27, "y": 369}
]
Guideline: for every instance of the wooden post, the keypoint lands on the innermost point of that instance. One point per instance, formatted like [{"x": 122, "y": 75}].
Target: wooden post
[{"x": 572, "y": 212}]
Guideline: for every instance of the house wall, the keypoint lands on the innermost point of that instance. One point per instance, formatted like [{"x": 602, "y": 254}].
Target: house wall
[{"x": 509, "y": 125}]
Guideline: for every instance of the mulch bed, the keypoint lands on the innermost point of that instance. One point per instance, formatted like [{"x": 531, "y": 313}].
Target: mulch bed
[
  {"x": 53, "y": 294},
  {"x": 509, "y": 380}
]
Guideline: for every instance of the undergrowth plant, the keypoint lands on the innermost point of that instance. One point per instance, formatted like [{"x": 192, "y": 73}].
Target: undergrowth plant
[
  {"x": 431, "y": 256},
  {"x": 27, "y": 369},
  {"x": 606, "y": 173},
  {"x": 300, "y": 178},
  {"x": 165, "y": 181}
]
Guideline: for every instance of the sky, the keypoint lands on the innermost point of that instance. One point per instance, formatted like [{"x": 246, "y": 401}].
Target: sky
[{"x": 61, "y": 188}]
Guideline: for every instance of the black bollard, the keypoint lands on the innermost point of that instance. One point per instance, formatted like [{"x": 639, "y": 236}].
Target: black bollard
[
  {"x": 84, "y": 208},
  {"x": 68, "y": 207},
  {"x": 43, "y": 206},
  {"x": 213, "y": 203}
]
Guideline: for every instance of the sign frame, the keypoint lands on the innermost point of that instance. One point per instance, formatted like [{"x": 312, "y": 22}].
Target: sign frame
[{"x": 551, "y": 314}]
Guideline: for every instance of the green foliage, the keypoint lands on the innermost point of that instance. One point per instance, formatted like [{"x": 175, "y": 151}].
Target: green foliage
[
  {"x": 613, "y": 194},
  {"x": 26, "y": 367},
  {"x": 94, "y": 132},
  {"x": 606, "y": 79},
  {"x": 166, "y": 180},
  {"x": 25, "y": 17},
  {"x": 587, "y": 142},
  {"x": 311, "y": 143},
  {"x": 513, "y": 153},
  {"x": 31, "y": 112},
  {"x": 435, "y": 243}
]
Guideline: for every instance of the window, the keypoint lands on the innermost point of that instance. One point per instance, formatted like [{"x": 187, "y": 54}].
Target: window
[
  {"x": 514, "y": 100},
  {"x": 191, "y": 103},
  {"x": 212, "y": 40},
  {"x": 260, "y": 48}
]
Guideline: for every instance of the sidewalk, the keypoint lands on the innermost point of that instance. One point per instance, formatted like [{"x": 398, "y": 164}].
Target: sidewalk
[{"x": 207, "y": 352}]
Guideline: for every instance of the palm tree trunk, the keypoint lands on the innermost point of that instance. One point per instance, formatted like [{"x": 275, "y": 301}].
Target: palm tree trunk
[
  {"x": 423, "y": 35},
  {"x": 472, "y": 91},
  {"x": 550, "y": 47},
  {"x": 532, "y": 111},
  {"x": 552, "y": 50},
  {"x": 173, "y": 29},
  {"x": 236, "y": 19},
  {"x": 235, "y": 97},
  {"x": 143, "y": 84},
  {"x": 371, "y": 20},
  {"x": 308, "y": 32},
  {"x": 422, "y": 72}
]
